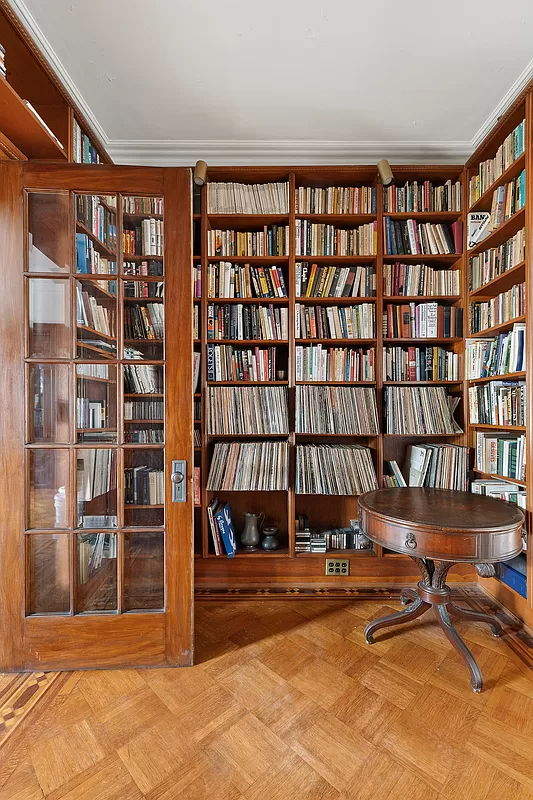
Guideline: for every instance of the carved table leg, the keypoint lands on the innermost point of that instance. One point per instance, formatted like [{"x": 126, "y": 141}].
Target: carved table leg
[
  {"x": 413, "y": 611},
  {"x": 406, "y": 595},
  {"x": 476, "y": 616},
  {"x": 443, "y": 618}
]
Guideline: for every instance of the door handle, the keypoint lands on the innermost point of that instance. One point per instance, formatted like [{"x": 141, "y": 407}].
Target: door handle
[{"x": 178, "y": 480}]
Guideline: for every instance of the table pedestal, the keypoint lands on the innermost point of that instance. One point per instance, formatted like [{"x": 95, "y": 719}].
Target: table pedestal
[{"x": 433, "y": 592}]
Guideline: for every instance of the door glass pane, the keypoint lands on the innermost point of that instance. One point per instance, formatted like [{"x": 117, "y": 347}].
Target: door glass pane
[
  {"x": 144, "y": 487},
  {"x": 96, "y": 234},
  {"x": 96, "y": 405},
  {"x": 49, "y": 242},
  {"x": 97, "y": 488},
  {"x": 49, "y": 318},
  {"x": 144, "y": 571},
  {"x": 48, "y": 488},
  {"x": 96, "y": 312},
  {"x": 49, "y": 398},
  {"x": 97, "y": 572},
  {"x": 49, "y": 590}
]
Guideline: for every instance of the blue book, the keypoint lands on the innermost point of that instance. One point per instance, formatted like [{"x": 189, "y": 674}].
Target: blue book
[
  {"x": 210, "y": 362},
  {"x": 520, "y": 356},
  {"x": 227, "y": 531},
  {"x": 81, "y": 252},
  {"x": 387, "y": 236}
]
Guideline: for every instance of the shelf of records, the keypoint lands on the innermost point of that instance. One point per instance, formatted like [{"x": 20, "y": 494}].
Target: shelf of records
[
  {"x": 499, "y": 310},
  {"x": 422, "y": 197},
  {"x": 420, "y": 410},
  {"x": 420, "y": 280},
  {"x": 496, "y": 261},
  {"x": 247, "y": 322},
  {"x": 340, "y": 469},
  {"x": 273, "y": 240},
  {"x": 512, "y": 147},
  {"x": 247, "y": 410},
  {"x": 249, "y": 467},
  {"x": 436, "y": 466},
  {"x": 422, "y": 321},
  {"x": 336, "y": 410},
  {"x": 320, "y": 239},
  {"x": 244, "y": 281},
  {"x": 414, "y": 238},
  {"x": 415, "y": 364},
  {"x": 314, "y": 280},
  {"x": 501, "y": 454},
  {"x": 311, "y": 539},
  {"x": 334, "y": 364},
  {"x": 496, "y": 356},
  {"x": 501, "y": 403},
  {"x": 335, "y": 200},
  {"x": 335, "y": 322},
  {"x": 247, "y": 198}
]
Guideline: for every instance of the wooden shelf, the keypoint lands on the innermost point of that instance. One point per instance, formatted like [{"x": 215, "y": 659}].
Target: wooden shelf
[
  {"x": 143, "y": 394},
  {"x": 501, "y": 234},
  {"x": 140, "y": 217},
  {"x": 503, "y": 327},
  {"x": 332, "y": 260},
  {"x": 83, "y": 345},
  {"x": 336, "y": 435},
  {"x": 94, "y": 380},
  {"x": 23, "y": 128},
  {"x": 129, "y": 257},
  {"x": 144, "y": 300},
  {"x": 249, "y": 342},
  {"x": 501, "y": 283},
  {"x": 332, "y": 301},
  {"x": 485, "y": 201},
  {"x": 247, "y": 383},
  {"x": 422, "y": 383},
  {"x": 421, "y": 257},
  {"x": 421, "y": 298},
  {"x": 259, "y": 553},
  {"x": 153, "y": 505},
  {"x": 247, "y": 435},
  {"x": 94, "y": 332},
  {"x": 339, "y": 554},
  {"x": 144, "y": 421},
  {"x": 498, "y": 477},
  {"x": 91, "y": 278},
  {"x": 343, "y": 219},
  {"x": 509, "y": 376},
  {"x": 260, "y": 260},
  {"x": 335, "y": 383},
  {"x": 424, "y": 216},
  {"x": 98, "y": 244},
  {"x": 96, "y": 430},
  {"x": 218, "y": 301},
  {"x": 143, "y": 341},
  {"x": 420, "y": 435},
  {"x": 441, "y": 340},
  {"x": 498, "y": 427},
  {"x": 332, "y": 342},
  {"x": 227, "y": 220}
]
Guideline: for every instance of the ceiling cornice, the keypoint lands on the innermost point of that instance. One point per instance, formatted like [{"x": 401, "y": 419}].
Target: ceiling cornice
[{"x": 153, "y": 152}]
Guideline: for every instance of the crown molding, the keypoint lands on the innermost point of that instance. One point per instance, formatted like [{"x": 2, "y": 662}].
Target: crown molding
[
  {"x": 249, "y": 153},
  {"x": 506, "y": 102}
]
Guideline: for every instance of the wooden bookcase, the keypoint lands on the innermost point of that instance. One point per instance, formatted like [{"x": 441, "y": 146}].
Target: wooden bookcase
[{"x": 286, "y": 567}]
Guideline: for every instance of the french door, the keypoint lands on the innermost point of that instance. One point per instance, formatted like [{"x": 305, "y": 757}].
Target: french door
[{"x": 96, "y": 557}]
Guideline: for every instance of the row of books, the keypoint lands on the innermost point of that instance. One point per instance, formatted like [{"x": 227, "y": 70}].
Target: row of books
[
  {"x": 226, "y": 363},
  {"x": 196, "y": 322},
  {"x": 502, "y": 454},
  {"x": 84, "y": 150},
  {"x": 247, "y": 198},
  {"x": 410, "y": 237},
  {"x": 92, "y": 371},
  {"x": 437, "y": 466},
  {"x": 420, "y": 364},
  {"x": 339, "y": 364},
  {"x": 99, "y": 220},
  {"x": 144, "y": 435},
  {"x": 237, "y": 321},
  {"x": 244, "y": 281},
  {"x": 501, "y": 490},
  {"x": 90, "y": 314},
  {"x": 422, "y": 321},
  {"x": 249, "y": 466},
  {"x": 336, "y": 410},
  {"x": 420, "y": 409},
  {"x": 197, "y": 410},
  {"x": 498, "y": 403},
  {"x": 144, "y": 289},
  {"x": 145, "y": 239},
  {"x": 90, "y": 413},
  {"x": 507, "y": 200},
  {"x": 247, "y": 410},
  {"x": 144, "y": 486},
  {"x": 96, "y": 473},
  {"x": 486, "y": 266},
  {"x": 144, "y": 321},
  {"x": 335, "y": 322},
  {"x": 197, "y": 437},
  {"x": 413, "y": 280},
  {"x": 490, "y": 170},
  {"x": 502, "y": 308},
  {"x": 93, "y": 550},
  {"x": 150, "y": 268},
  {"x": 197, "y": 281},
  {"x": 313, "y": 280},
  {"x": 334, "y": 469},
  {"x": 273, "y": 240},
  {"x": 497, "y": 356},
  {"x": 143, "y": 205},
  {"x": 144, "y": 409},
  {"x": 318, "y": 239},
  {"x": 143, "y": 379},
  {"x": 335, "y": 200},
  {"x": 422, "y": 197},
  {"x": 89, "y": 260}
]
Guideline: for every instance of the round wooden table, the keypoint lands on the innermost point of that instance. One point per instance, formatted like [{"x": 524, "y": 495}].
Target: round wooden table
[{"x": 438, "y": 528}]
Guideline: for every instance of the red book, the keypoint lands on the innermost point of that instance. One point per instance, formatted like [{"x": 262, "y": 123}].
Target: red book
[
  {"x": 457, "y": 233},
  {"x": 411, "y": 355}
]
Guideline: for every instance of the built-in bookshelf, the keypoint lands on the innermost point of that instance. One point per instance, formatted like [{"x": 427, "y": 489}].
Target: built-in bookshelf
[{"x": 296, "y": 301}]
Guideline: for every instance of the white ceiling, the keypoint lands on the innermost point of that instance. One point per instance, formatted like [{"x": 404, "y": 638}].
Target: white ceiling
[{"x": 288, "y": 81}]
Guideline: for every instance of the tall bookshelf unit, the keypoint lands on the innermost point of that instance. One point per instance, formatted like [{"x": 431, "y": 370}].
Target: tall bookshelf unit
[{"x": 286, "y": 566}]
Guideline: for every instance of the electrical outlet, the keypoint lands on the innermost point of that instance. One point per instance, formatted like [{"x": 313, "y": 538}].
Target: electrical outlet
[{"x": 338, "y": 566}]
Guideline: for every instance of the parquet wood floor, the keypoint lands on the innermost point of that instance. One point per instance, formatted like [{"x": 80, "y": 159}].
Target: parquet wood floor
[{"x": 286, "y": 702}]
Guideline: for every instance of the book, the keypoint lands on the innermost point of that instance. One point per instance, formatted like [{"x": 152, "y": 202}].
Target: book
[
  {"x": 410, "y": 280},
  {"x": 502, "y": 308},
  {"x": 335, "y": 200},
  {"x": 242, "y": 198},
  {"x": 485, "y": 266},
  {"x": 318, "y": 239},
  {"x": 490, "y": 170},
  {"x": 422, "y": 196},
  {"x": 227, "y": 531}
]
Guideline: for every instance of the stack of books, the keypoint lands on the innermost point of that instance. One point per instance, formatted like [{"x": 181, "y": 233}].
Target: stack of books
[
  {"x": 243, "y": 198},
  {"x": 334, "y": 469},
  {"x": 507, "y": 200},
  {"x": 249, "y": 467},
  {"x": 143, "y": 379},
  {"x": 501, "y": 454},
  {"x": 496, "y": 356},
  {"x": 238, "y": 321},
  {"x": 143, "y": 289},
  {"x": 317, "y": 239},
  {"x": 506, "y": 306},
  {"x": 84, "y": 150},
  {"x": 422, "y": 321},
  {"x": 97, "y": 473},
  {"x": 493, "y": 262},
  {"x": 412, "y": 280},
  {"x": 144, "y": 486},
  {"x": 502, "y": 490},
  {"x": 336, "y": 410},
  {"x": 144, "y": 322},
  {"x": 420, "y": 409},
  {"x": 144, "y": 409},
  {"x": 427, "y": 238},
  {"x": 247, "y": 410},
  {"x": 145, "y": 239},
  {"x": 308, "y": 541},
  {"x": 93, "y": 315},
  {"x": 89, "y": 260},
  {"x": 315, "y": 281},
  {"x": 422, "y": 197},
  {"x": 438, "y": 466},
  {"x": 335, "y": 200},
  {"x": 335, "y": 322},
  {"x": 143, "y": 205},
  {"x": 226, "y": 363},
  {"x": 93, "y": 548},
  {"x": 339, "y": 364},
  {"x": 420, "y": 364},
  {"x": 197, "y": 281},
  {"x": 498, "y": 403},
  {"x": 143, "y": 435},
  {"x": 273, "y": 240},
  {"x": 243, "y": 280},
  {"x": 150, "y": 268},
  {"x": 98, "y": 219},
  {"x": 489, "y": 171}
]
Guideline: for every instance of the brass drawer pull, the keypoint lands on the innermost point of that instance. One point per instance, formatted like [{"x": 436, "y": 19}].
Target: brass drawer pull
[{"x": 410, "y": 541}]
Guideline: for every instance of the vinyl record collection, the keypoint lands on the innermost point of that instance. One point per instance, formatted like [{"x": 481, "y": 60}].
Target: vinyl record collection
[
  {"x": 249, "y": 466},
  {"x": 247, "y": 410},
  {"x": 438, "y": 466},
  {"x": 334, "y": 469},
  {"x": 420, "y": 410},
  {"x": 336, "y": 410},
  {"x": 145, "y": 379}
]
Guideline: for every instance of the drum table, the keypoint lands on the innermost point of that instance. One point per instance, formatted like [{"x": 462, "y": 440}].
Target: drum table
[{"x": 438, "y": 528}]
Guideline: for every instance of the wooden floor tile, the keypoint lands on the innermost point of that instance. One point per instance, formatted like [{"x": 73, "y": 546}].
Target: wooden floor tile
[
  {"x": 291, "y": 778},
  {"x": 333, "y": 749},
  {"x": 503, "y": 747},
  {"x": 391, "y": 685},
  {"x": 291, "y": 715},
  {"x": 411, "y": 660},
  {"x": 322, "y": 682},
  {"x": 254, "y": 685},
  {"x": 103, "y": 688},
  {"x": 108, "y": 780},
  {"x": 22, "y": 784},
  {"x": 365, "y": 712},
  {"x": 286, "y": 658},
  {"x": 444, "y": 714},
  {"x": 375, "y": 778},
  {"x": 474, "y": 779},
  {"x": 178, "y": 686},
  {"x": 209, "y": 714},
  {"x": 124, "y": 719},
  {"x": 341, "y": 620},
  {"x": 452, "y": 675}
]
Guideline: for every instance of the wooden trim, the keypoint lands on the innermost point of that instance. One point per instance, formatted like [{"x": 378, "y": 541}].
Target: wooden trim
[{"x": 93, "y": 178}]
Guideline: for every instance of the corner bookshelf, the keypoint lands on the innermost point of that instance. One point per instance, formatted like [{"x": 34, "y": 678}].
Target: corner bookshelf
[
  {"x": 513, "y": 587},
  {"x": 287, "y": 566}
]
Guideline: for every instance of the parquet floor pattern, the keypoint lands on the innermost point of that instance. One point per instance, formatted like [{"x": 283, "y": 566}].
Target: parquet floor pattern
[{"x": 286, "y": 702}]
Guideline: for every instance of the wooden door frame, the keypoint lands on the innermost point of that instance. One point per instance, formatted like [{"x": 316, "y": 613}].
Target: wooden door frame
[{"x": 135, "y": 638}]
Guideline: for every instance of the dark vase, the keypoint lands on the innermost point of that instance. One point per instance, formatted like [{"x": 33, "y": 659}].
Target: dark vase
[{"x": 270, "y": 541}]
